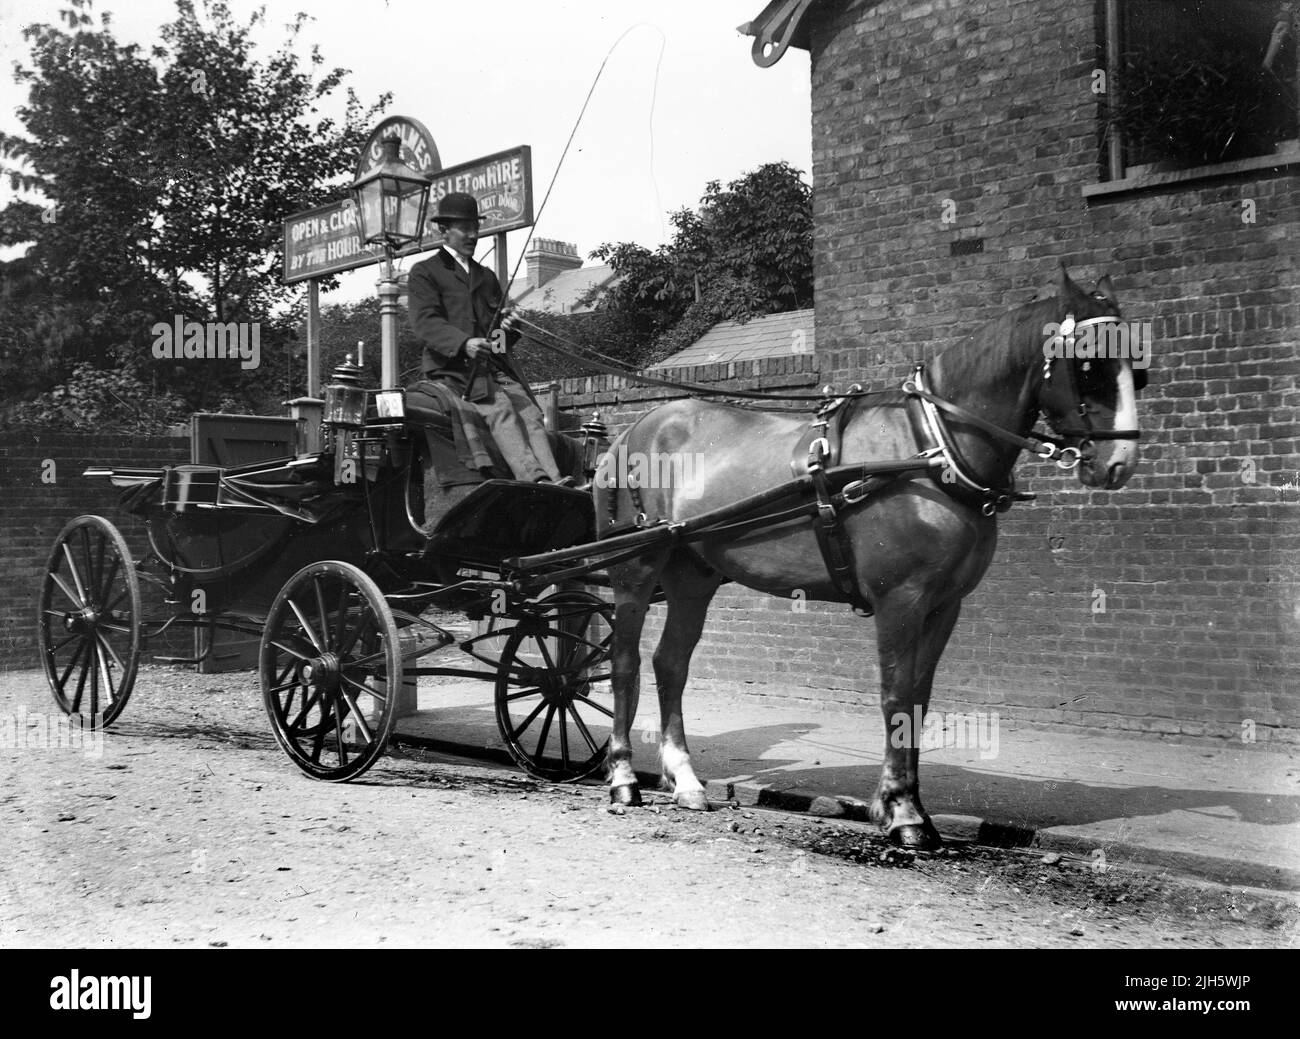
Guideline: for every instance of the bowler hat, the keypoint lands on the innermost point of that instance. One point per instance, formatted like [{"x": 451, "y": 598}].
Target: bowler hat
[{"x": 457, "y": 206}]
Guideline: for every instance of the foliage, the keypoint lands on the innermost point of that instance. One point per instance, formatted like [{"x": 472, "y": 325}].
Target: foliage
[
  {"x": 166, "y": 176},
  {"x": 102, "y": 401},
  {"x": 746, "y": 252}
]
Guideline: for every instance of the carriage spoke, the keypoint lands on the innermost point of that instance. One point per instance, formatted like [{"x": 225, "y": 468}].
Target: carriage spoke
[
  {"x": 81, "y": 649},
  {"x": 320, "y": 609},
  {"x": 530, "y": 691},
  {"x": 100, "y": 583},
  {"x": 306, "y": 706},
  {"x": 290, "y": 651},
  {"x": 76, "y": 577},
  {"x": 514, "y": 733},
  {"x": 283, "y": 686},
  {"x": 582, "y": 727},
  {"x": 338, "y": 735},
  {"x": 81, "y": 678},
  {"x": 341, "y": 625},
  {"x": 382, "y": 697},
  {"x": 66, "y": 590},
  {"x": 284, "y": 674},
  {"x": 368, "y": 659},
  {"x": 357, "y": 716},
  {"x": 63, "y": 642},
  {"x": 319, "y": 742},
  {"x": 107, "y": 672},
  {"x": 355, "y": 635},
  {"x": 592, "y": 703},
  {"x": 564, "y": 738},
  {"x": 103, "y": 641},
  {"x": 546, "y": 654},
  {"x": 94, "y": 686},
  {"x": 306, "y": 626},
  {"x": 107, "y": 585},
  {"x": 546, "y": 731},
  {"x": 91, "y": 586},
  {"x": 586, "y": 662}
]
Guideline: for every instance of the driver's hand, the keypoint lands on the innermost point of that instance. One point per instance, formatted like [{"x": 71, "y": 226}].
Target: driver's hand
[
  {"x": 508, "y": 320},
  {"x": 477, "y": 347}
]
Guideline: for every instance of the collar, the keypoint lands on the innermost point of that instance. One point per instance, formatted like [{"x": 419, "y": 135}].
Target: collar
[{"x": 460, "y": 260}]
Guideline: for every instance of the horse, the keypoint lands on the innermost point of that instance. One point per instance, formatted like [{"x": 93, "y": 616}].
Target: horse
[{"x": 917, "y": 546}]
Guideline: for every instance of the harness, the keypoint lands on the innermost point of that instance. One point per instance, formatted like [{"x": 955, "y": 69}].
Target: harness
[
  {"x": 817, "y": 458},
  {"x": 818, "y": 451}
]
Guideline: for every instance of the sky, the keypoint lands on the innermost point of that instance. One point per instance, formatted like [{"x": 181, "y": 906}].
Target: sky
[{"x": 679, "y": 102}]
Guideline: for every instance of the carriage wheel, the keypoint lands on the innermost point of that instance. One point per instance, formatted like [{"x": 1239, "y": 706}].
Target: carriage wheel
[
  {"x": 553, "y": 699},
  {"x": 331, "y": 670},
  {"x": 89, "y": 624}
]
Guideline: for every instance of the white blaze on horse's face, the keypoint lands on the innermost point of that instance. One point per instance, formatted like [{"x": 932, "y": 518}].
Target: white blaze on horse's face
[{"x": 1111, "y": 462}]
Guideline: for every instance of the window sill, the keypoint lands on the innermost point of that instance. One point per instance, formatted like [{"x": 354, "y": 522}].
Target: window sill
[{"x": 1276, "y": 162}]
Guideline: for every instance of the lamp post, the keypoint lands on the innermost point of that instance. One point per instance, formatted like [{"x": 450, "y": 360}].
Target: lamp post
[{"x": 391, "y": 202}]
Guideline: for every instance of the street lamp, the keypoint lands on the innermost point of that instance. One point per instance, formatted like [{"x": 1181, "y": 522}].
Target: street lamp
[{"x": 391, "y": 200}]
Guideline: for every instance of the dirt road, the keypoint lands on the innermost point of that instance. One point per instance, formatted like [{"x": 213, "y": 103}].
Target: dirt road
[{"x": 191, "y": 828}]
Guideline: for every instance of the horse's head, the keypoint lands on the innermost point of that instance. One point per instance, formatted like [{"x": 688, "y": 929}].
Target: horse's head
[{"x": 1093, "y": 366}]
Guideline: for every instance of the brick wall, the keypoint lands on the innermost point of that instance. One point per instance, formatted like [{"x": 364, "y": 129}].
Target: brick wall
[
  {"x": 989, "y": 105},
  {"x": 32, "y": 512}
]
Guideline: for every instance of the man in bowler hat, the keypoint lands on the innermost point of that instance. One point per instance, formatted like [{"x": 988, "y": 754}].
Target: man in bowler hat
[{"x": 453, "y": 301}]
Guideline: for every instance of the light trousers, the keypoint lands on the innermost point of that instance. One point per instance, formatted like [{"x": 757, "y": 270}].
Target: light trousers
[{"x": 519, "y": 430}]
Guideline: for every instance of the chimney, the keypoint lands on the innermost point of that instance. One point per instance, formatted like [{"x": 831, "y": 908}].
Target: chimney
[{"x": 546, "y": 258}]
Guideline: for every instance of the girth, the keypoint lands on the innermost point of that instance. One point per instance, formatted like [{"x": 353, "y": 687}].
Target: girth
[{"x": 817, "y": 451}]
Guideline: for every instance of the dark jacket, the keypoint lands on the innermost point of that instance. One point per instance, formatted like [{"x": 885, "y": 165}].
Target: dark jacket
[{"x": 447, "y": 307}]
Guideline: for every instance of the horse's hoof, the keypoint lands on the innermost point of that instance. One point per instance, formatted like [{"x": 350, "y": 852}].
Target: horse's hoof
[
  {"x": 692, "y": 800},
  {"x": 916, "y": 837},
  {"x": 629, "y": 795}
]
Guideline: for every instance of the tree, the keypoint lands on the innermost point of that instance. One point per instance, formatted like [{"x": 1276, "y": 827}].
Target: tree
[
  {"x": 746, "y": 252},
  {"x": 165, "y": 177}
]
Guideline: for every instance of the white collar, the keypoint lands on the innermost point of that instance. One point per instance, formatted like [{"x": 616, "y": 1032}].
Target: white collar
[{"x": 464, "y": 263}]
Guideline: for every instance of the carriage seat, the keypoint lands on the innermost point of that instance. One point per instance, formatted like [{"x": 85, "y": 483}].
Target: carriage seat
[{"x": 420, "y": 415}]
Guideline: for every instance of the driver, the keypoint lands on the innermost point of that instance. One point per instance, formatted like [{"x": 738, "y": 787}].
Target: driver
[{"x": 452, "y": 303}]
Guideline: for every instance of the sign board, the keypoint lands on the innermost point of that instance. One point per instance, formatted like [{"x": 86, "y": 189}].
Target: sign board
[
  {"x": 503, "y": 185},
  {"x": 418, "y": 150},
  {"x": 324, "y": 241}
]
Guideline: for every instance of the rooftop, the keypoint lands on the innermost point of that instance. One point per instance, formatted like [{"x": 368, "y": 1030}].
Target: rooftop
[
  {"x": 560, "y": 295},
  {"x": 775, "y": 335}
]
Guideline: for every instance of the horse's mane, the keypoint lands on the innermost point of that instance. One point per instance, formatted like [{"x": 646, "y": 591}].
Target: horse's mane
[{"x": 996, "y": 351}]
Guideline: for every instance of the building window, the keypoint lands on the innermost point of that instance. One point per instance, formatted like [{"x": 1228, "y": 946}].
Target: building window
[{"x": 1198, "y": 83}]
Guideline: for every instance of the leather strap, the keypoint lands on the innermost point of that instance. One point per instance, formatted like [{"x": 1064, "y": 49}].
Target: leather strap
[{"x": 836, "y": 552}]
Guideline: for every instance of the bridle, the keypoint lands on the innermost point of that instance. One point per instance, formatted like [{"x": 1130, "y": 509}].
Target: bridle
[
  {"x": 1075, "y": 404},
  {"x": 1047, "y": 447}
]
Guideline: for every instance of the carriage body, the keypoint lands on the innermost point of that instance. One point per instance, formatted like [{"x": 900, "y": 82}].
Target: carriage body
[{"x": 328, "y": 557}]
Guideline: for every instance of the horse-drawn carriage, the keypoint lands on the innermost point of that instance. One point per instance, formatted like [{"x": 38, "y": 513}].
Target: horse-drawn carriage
[
  {"x": 328, "y": 558},
  {"x": 324, "y": 557}
]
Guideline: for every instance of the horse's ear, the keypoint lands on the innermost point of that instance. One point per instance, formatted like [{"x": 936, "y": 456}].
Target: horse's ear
[
  {"x": 1068, "y": 288},
  {"x": 1107, "y": 289}
]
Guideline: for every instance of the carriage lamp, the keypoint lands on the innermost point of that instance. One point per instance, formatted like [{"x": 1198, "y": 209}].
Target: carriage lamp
[
  {"x": 345, "y": 398},
  {"x": 595, "y": 443},
  {"x": 391, "y": 202}
]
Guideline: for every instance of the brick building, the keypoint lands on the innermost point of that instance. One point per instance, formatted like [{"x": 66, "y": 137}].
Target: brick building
[{"x": 960, "y": 150}]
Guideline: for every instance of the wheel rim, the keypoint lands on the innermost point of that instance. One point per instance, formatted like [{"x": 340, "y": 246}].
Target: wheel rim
[
  {"x": 89, "y": 621},
  {"x": 331, "y": 670},
  {"x": 553, "y": 700}
]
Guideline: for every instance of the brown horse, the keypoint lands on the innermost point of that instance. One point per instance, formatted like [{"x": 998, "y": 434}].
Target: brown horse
[{"x": 918, "y": 546}]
